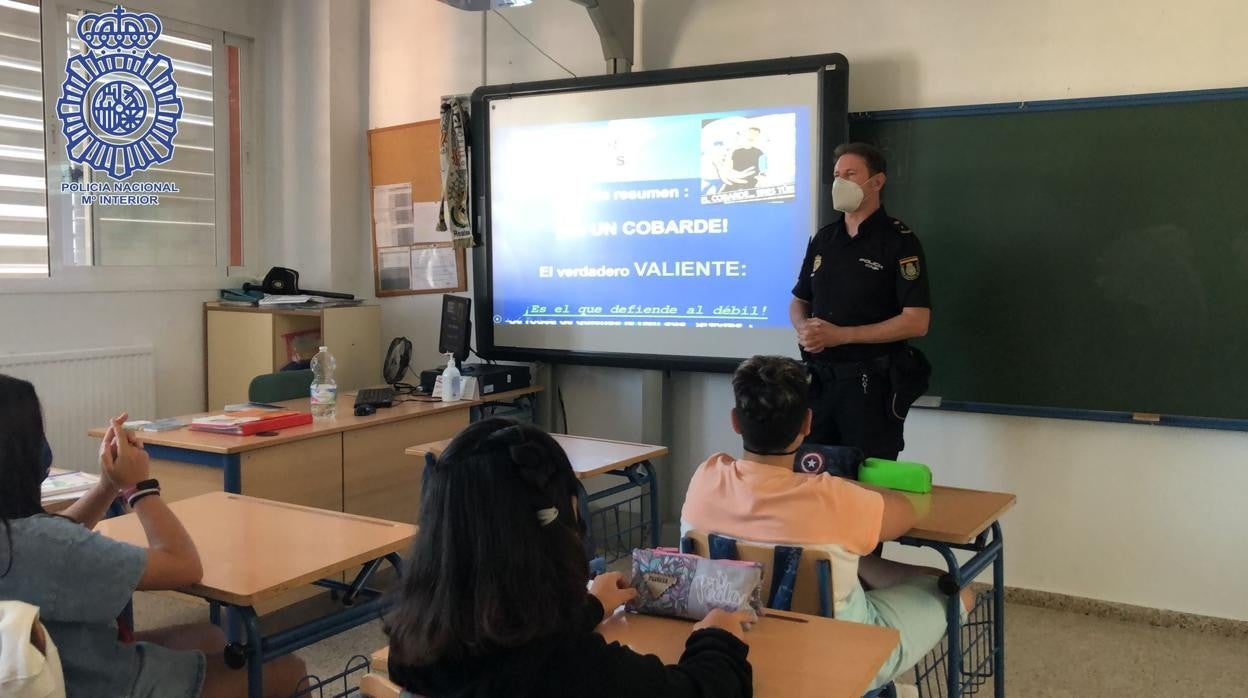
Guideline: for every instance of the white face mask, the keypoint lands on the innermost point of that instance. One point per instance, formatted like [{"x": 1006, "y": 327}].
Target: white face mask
[{"x": 846, "y": 195}]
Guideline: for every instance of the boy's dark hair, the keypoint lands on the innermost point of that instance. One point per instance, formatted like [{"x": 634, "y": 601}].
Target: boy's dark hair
[
  {"x": 21, "y": 449},
  {"x": 875, "y": 159},
  {"x": 485, "y": 574},
  {"x": 771, "y": 397}
]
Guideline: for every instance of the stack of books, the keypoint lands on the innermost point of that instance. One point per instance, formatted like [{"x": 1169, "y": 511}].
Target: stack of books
[{"x": 251, "y": 421}]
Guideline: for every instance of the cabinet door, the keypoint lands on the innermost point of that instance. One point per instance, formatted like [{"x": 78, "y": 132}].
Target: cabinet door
[
  {"x": 378, "y": 478},
  {"x": 353, "y": 335},
  {"x": 240, "y": 347},
  {"x": 307, "y": 472}
]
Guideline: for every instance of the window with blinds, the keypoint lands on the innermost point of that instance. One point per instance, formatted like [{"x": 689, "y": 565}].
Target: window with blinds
[{"x": 23, "y": 199}]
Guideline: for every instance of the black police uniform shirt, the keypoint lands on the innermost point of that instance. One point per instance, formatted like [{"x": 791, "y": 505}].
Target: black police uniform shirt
[{"x": 862, "y": 280}]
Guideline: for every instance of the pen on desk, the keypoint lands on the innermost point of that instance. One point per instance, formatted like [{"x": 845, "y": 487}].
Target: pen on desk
[{"x": 791, "y": 619}]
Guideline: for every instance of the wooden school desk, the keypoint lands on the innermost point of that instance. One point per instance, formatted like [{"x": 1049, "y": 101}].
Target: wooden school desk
[
  {"x": 793, "y": 655},
  {"x": 352, "y": 464},
  {"x": 256, "y": 550},
  {"x": 592, "y": 457},
  {"x": 956, "y": 519}
]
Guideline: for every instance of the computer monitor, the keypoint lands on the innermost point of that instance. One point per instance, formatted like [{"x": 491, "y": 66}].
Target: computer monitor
[{"x": 456, "y": 330}]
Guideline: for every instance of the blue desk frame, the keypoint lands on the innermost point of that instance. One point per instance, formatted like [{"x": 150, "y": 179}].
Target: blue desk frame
[
  {"x": 638, "y": 475},
  {"x": 259, "y": 649},
  {"x": 989, "y": 549},
  {"x": 229, "y": 463}
]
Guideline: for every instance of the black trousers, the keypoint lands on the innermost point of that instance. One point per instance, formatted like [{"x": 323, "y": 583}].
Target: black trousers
[{"x": 853, "y": 411}]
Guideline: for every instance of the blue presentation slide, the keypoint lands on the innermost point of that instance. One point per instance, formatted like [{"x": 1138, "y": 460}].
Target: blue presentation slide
[{"x": 691, "y": 220}]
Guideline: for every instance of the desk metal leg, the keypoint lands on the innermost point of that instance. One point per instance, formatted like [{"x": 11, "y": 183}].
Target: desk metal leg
[
  {"x": 582, "y": 505},
  {"x": 998, "y": 618},
  {"x": 654, "y": 503},
  {"x": 251, "y": 653},
  {"x": 214, "y": 613},
  {"x": 643, "y": 473},
  {"x": 396, "y": 561},
  {"x": 987, "y": 551}
]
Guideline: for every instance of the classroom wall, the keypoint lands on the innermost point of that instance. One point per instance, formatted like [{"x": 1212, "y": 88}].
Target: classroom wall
[{"x": 1132, "y": 514}]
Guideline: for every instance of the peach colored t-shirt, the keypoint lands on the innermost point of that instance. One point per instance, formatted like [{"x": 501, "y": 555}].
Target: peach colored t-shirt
[{"x": 764, "y": 504}]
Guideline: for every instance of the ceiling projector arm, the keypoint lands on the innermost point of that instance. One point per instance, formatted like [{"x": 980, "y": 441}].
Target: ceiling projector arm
[{"x": 613, "y": 19}]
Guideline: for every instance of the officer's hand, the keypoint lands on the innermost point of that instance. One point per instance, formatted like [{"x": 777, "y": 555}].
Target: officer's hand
[
  {"x": 806, "y": 337},
  {"x": 817, "y": 335}
]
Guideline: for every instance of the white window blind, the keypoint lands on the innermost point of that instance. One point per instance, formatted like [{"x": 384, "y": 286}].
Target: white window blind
[{"x": 23, "y": 201}]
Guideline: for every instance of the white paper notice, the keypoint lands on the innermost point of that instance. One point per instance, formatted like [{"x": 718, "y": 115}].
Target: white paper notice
[
  {"x": 434, "y": 266},
  {"x": 392, "y": 215},
  {"x": 425, "y": 223},
  {"x": 396, "y": 269}
]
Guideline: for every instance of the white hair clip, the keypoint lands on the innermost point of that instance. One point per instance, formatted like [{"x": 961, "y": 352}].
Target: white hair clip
[{"x": 547, "y": 516}]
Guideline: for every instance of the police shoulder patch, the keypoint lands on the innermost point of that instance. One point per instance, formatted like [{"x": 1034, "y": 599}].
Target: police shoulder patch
[{"x": 909, "y": 268}]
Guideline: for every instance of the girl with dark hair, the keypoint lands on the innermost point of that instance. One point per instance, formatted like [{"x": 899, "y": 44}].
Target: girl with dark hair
[
  {"x": 494, "y": 600},
  {"x": 81, "y": 581}
]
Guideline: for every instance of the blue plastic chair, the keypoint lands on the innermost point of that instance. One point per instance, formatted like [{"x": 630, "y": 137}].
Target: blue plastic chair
[{"x": 783, "y": 565}]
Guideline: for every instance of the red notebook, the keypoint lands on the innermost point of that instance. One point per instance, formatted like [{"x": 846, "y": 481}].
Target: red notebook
[{"x": 246, "y": 426}]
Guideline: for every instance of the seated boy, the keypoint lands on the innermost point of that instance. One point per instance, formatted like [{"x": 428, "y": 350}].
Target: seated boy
[{"x": 758, "y": 498}]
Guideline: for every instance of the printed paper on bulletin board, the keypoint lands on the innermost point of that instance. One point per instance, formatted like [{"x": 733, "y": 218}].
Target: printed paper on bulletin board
[{"x": 406, "y": 178}]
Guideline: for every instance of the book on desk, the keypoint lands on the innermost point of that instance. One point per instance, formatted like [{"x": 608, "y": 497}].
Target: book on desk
[
  {"x": 248, "y": 422},
  {"x": 61, "y": 483}
]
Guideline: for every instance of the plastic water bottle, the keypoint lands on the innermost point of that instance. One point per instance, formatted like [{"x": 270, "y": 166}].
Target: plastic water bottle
[{"x": 324, "y": 387}]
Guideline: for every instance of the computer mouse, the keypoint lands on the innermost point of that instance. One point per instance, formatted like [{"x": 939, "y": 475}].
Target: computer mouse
[{"x": 365, "y": 410}]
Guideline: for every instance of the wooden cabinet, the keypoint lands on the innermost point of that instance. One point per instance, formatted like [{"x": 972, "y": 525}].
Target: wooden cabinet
[{"x": 244, "y": 342}]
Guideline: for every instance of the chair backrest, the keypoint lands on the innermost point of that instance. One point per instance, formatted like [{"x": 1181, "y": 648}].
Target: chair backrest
[
  {"x": 794, "y": 578},
  {"x": 283, "y": 385}
]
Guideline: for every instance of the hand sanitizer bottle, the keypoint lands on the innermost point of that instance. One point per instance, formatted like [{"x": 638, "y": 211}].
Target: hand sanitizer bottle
[{"x": 452, "y": 383}]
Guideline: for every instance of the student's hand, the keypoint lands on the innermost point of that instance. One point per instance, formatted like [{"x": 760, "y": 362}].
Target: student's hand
[
  {"x": 612, "y": 591},
  {"x": 734, "y": 623},
  {"x": 122, "y": 458}
]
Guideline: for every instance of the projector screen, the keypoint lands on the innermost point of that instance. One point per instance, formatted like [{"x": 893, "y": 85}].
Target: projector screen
[{"x": 660, "y": 222}]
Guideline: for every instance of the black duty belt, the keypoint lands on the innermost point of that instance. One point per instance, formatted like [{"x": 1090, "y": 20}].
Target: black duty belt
[{"x": 841, "y": 370}]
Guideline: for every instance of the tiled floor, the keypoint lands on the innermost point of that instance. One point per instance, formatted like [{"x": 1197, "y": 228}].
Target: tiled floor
[{"x": 1049, "y": 654}]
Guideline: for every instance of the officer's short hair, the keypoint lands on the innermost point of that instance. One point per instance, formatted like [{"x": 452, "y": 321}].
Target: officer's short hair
[
  {"x": 875, "y": 159},
  {"x": 771, "y": 402}
]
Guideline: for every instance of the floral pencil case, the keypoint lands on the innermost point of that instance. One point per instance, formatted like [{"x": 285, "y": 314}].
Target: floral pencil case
[{"x": 672, "y": 583}]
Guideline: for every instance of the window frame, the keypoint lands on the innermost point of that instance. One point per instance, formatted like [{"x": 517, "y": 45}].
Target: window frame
[{"x": 69, "y": 278}]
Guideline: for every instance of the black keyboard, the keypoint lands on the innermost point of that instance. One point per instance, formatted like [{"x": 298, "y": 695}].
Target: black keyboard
[{"x": 377, "y": 397}]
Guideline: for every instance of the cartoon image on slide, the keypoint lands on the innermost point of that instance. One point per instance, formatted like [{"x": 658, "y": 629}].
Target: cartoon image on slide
[{"x": 749, "y": 158}]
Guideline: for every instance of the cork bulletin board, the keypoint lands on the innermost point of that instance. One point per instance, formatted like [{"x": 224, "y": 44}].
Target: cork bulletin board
[{"x": 409, "y": 255}]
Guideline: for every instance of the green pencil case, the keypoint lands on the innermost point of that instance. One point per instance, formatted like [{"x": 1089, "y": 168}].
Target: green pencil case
[{"x": 896, "y": 475}]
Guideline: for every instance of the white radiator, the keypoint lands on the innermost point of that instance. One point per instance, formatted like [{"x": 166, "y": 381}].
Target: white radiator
[{"x": 83, "y": 389}]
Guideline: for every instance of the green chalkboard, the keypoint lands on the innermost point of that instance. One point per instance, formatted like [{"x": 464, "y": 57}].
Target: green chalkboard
[{"x": 1088, "y": 257}]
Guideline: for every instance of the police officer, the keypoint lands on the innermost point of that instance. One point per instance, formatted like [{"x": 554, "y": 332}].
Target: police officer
[{"x": 861, "y": 293}]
